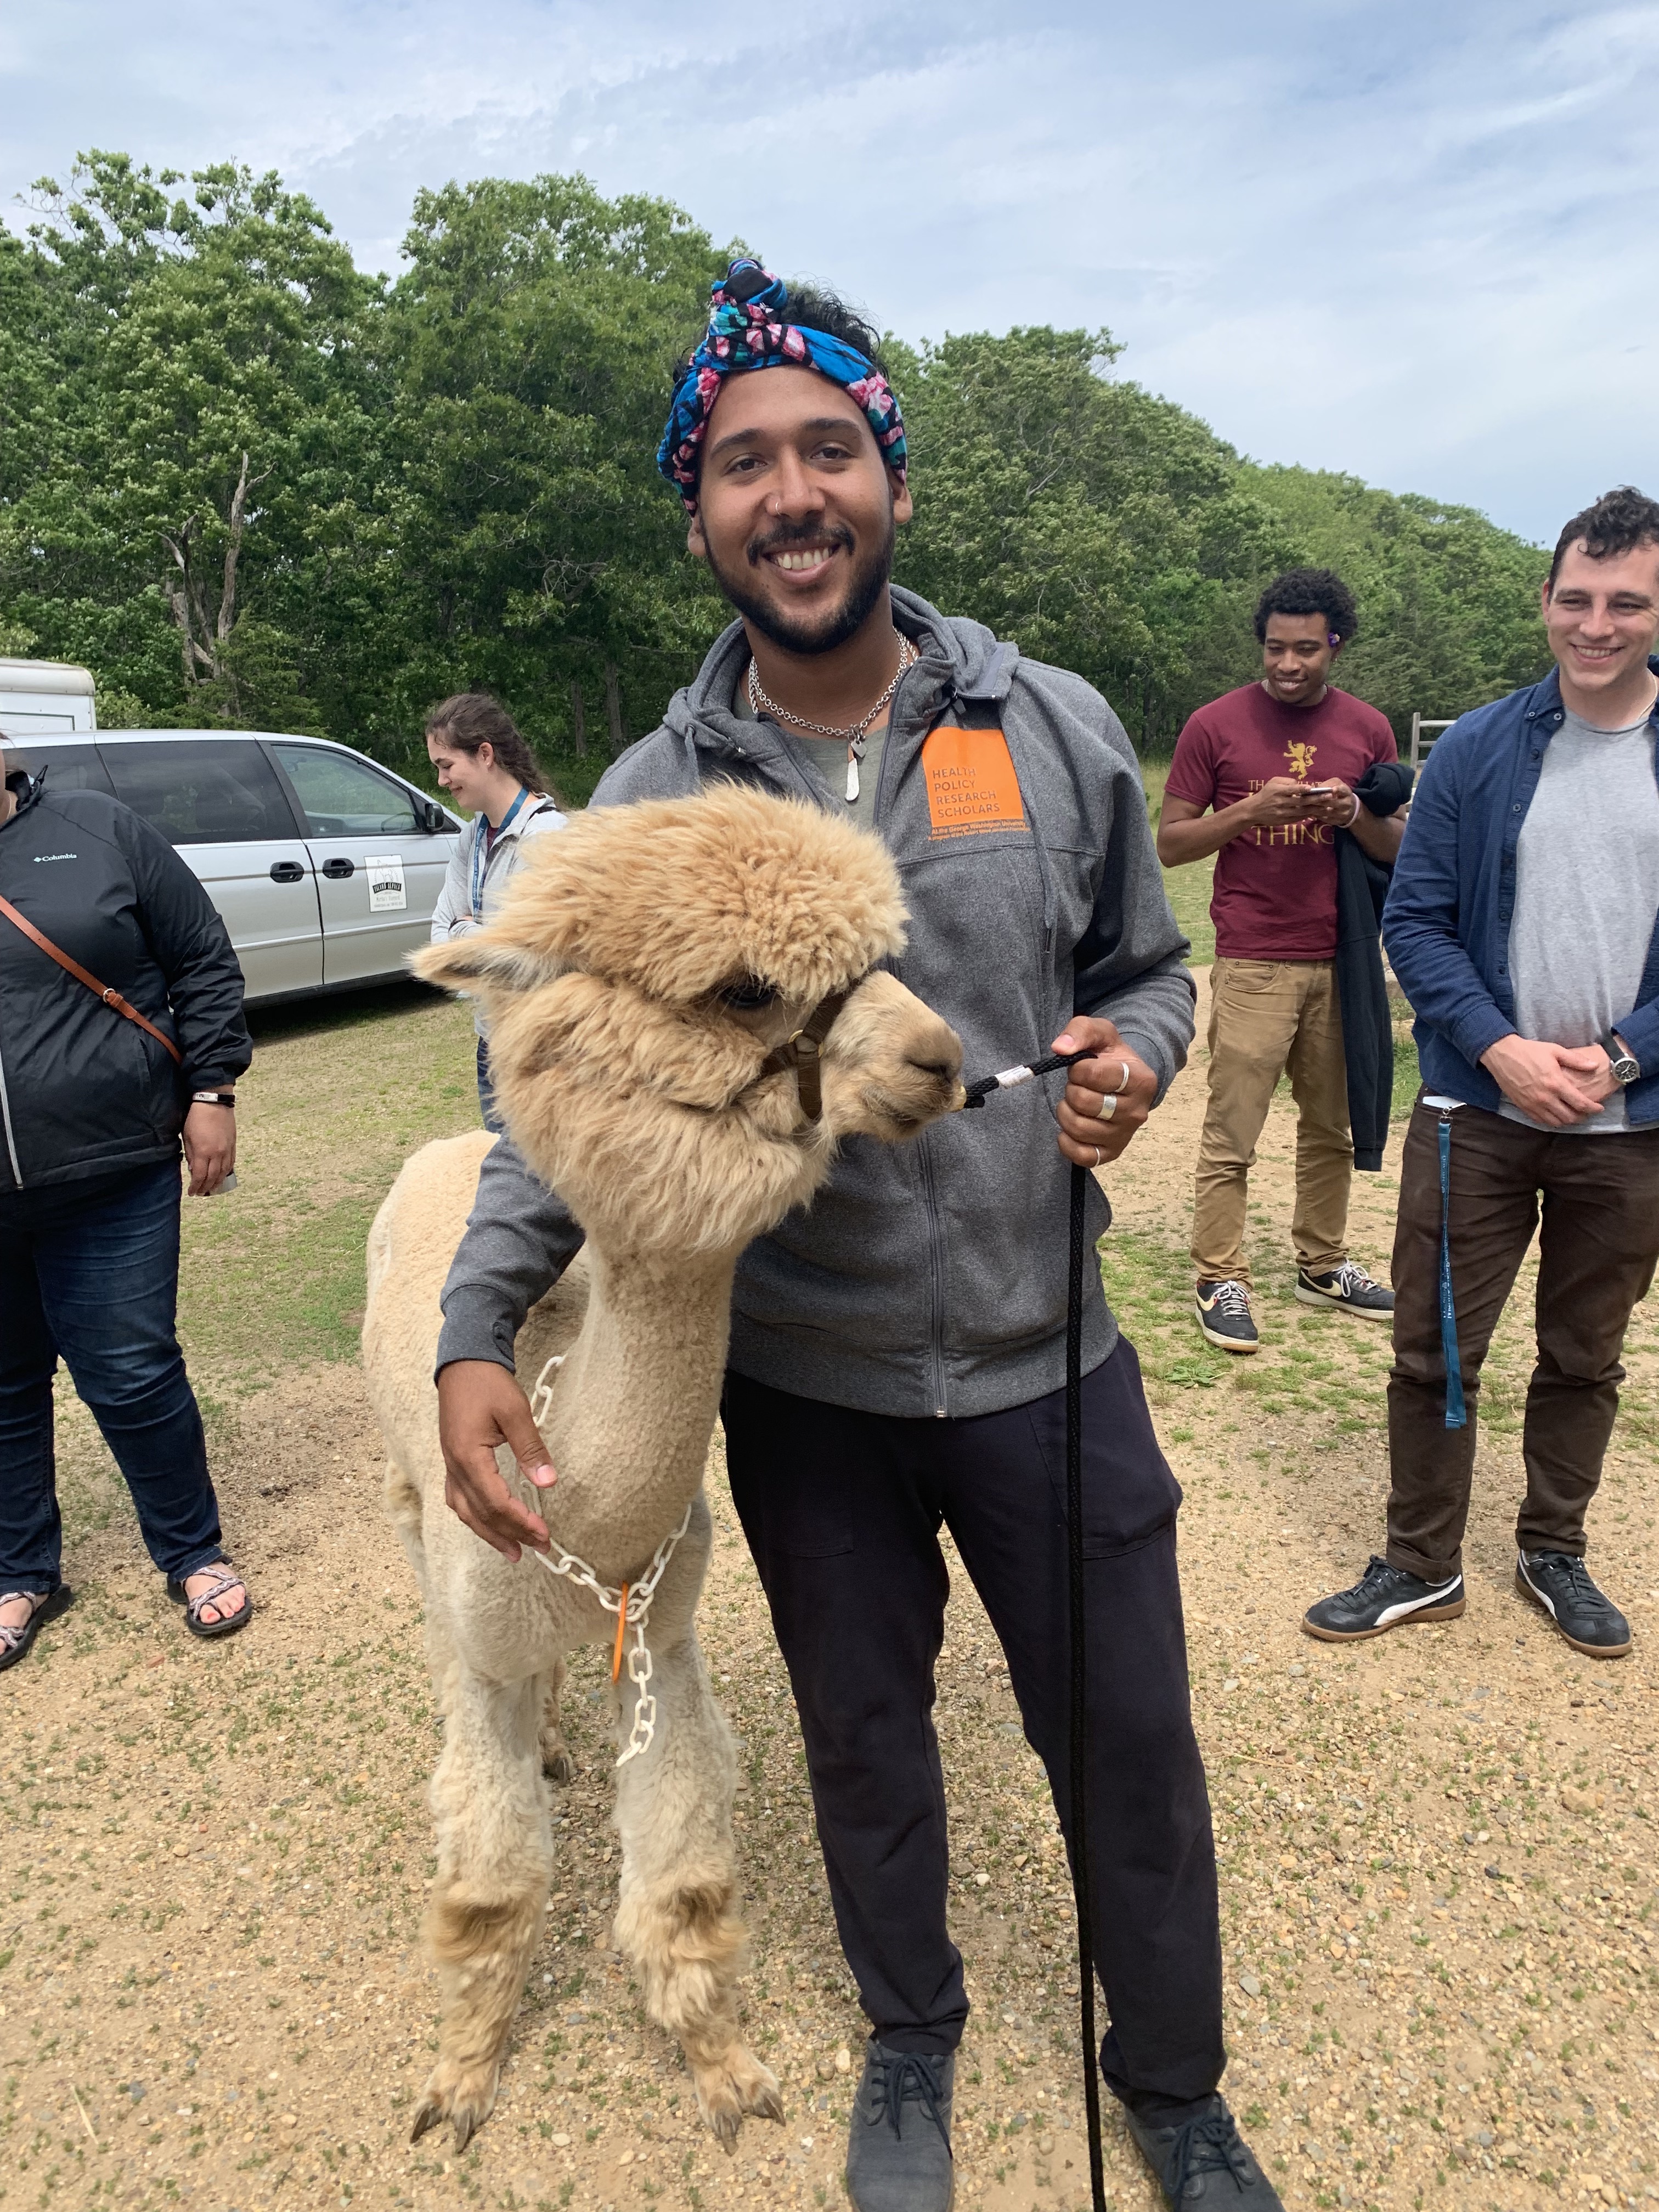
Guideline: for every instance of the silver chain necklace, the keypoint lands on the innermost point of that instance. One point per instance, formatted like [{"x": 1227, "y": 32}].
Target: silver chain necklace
[{"x": 853, "y": 735}]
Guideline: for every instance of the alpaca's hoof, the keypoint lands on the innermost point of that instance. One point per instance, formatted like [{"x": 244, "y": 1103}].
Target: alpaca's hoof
[
  {"x": 556, "y": 1762},
  {"x": 734, "y": 2088},
  {"x": 463, "y": 2095}
]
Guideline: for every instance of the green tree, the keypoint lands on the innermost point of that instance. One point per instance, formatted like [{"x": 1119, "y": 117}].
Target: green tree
[
  {"x": 203, "y": 411},
  {"x": 531, "y": 344},
  {"x": 1101, "y": 528}
]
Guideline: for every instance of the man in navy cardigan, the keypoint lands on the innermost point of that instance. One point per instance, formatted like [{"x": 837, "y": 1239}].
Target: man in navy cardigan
[{"x": 1521, "y": 926}]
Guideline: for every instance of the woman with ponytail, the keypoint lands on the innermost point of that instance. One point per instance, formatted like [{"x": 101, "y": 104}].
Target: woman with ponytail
[{"x": 490, "y": 772}]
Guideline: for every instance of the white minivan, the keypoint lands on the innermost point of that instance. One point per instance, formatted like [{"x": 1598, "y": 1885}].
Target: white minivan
[{"x": 326, "y": 866}]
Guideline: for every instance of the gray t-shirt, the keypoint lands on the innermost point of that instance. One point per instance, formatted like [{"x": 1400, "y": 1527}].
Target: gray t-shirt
[
  {"x": 1586, "y": 892},
  {"x": 828, "y": 757}
]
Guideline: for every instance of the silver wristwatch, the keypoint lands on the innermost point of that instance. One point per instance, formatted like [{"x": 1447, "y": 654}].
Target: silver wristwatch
[{"x": 1623, "y": 1063}]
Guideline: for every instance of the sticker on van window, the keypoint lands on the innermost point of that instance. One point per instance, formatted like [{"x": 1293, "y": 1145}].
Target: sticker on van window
[
  {"x": 971, "y": 784},
  {"x": 386, "y": 892}
]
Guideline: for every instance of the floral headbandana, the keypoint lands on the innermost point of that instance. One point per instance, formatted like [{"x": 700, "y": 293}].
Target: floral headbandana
[{"x": 747, "y": 330}]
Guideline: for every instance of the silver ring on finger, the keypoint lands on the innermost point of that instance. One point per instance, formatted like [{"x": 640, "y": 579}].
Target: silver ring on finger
[
  {"x": 1107, "y": 1107},
  {"x": 1100, "y": 1157},
  {"x": 1124, "y": 1085}
]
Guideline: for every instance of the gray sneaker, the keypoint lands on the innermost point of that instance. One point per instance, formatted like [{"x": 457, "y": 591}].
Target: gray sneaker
[
  {"x": 1204, "y": 2160},
  {"x": 898, "y": 2148}
]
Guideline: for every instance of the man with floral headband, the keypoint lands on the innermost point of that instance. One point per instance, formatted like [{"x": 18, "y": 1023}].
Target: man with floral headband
[{"x": 897, "y": 1352}]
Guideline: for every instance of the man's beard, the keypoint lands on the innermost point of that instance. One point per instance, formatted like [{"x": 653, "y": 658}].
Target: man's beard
[{"x": 821, "y": 633}]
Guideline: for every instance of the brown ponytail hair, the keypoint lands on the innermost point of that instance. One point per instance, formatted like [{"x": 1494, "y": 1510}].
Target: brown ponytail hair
[{"x": 468, "y": 720}]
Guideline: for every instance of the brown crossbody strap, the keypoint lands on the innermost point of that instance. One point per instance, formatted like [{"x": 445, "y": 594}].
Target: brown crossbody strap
[{"x": 111, "y": 998}]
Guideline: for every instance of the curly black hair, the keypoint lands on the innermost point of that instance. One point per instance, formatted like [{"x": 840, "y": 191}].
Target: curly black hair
[
  {"x": 1308, "y": 592},
  {"x": 1620, "y": 521}
]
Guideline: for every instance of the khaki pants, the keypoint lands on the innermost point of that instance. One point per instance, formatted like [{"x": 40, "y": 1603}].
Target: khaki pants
[{"x": 1268, "y": 1016}]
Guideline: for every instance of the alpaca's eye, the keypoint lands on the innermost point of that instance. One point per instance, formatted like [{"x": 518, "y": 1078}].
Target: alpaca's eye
[{"x": 748, "y": 995}]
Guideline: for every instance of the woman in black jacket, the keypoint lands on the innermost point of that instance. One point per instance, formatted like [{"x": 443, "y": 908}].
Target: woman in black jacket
[{"x": 101, "y": 1073}]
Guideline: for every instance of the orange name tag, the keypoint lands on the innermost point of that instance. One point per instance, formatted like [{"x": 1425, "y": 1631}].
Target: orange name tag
[{"x": 971, "y": 784}]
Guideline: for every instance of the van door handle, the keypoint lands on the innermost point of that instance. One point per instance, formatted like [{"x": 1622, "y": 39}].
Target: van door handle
[
  {"x": 336, "y": 867},
  {"x": 286, "y": 871}
]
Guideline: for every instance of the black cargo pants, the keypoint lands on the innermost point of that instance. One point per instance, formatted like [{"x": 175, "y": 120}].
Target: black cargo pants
[{"x": 842, "y": 1511}]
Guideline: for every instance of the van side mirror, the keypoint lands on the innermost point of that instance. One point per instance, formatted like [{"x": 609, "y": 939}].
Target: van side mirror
[{"x": 432, "y": 817}]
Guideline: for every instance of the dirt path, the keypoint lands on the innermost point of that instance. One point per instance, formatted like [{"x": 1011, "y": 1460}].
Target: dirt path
[{"x": 1437, "y": 1850}]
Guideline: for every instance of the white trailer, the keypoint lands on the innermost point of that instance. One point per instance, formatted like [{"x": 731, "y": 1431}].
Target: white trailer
[{"x": 45, "y": 698}]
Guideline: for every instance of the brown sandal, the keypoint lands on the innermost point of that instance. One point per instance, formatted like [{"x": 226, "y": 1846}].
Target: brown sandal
[{"x": 226, "y": 1581}]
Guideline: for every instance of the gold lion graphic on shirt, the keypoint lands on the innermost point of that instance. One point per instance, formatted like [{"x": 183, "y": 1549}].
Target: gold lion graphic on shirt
[{"x": 1300, "y": 755}]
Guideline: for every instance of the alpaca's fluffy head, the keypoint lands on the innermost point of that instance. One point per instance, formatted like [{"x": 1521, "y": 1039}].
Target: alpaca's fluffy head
[{"x": 645, "y": 962}]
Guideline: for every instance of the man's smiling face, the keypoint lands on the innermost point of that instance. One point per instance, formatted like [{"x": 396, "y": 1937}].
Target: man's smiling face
[
  {"x": 796, "y": 507},
  {"x": 1602, "y": 616}
]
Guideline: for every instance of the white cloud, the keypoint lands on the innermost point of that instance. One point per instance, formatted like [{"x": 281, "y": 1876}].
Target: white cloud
[{"x": 1406, "y": 240}]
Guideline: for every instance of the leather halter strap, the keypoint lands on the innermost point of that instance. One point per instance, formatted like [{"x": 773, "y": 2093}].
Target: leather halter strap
[{"x": 803, "y": 1054}]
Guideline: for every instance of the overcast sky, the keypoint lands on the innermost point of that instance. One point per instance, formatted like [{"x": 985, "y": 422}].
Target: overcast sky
[{"x": 1411, "y": 241}]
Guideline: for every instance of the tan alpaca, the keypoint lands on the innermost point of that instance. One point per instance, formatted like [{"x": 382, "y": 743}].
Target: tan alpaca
[{"x": 645, "y": 964}]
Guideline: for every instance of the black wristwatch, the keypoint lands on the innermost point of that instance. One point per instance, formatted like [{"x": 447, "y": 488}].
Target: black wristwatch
[{"x": 1623, "y": 1065}]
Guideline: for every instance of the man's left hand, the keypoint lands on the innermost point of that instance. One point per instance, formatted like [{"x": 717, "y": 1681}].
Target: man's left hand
[
  {"x": 1087, "y": 1137},
  {"x": 1597, "y": 1072},
  {"x": 1334, "y": 807}
]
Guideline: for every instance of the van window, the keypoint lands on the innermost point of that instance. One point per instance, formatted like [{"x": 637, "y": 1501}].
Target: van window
[
  {"x": 208, "y": 791},
  {"x": 74, "y": 768},
  {"x": 341, "y": 797}
]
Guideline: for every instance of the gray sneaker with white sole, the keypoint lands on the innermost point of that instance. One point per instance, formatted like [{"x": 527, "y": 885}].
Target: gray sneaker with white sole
[{"x": 1223, "y": 1315}]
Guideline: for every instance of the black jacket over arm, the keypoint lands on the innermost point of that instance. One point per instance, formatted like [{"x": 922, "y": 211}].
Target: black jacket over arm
[
  {"x": 1362, "y": 885},
  {"x": 83, "y": 1090}
]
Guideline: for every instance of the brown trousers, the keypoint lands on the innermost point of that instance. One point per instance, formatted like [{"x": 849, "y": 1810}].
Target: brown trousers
[
  {"x": 1268, "y": 1018},
  {"x": 1597, "y": 1249}
]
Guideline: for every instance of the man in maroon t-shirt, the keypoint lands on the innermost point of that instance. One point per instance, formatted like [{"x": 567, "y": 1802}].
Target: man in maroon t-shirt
[{"x": 1263, "y": 778}]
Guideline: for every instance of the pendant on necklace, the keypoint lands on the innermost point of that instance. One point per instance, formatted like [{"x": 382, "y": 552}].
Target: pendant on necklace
[{"x": 854, "y": 754}]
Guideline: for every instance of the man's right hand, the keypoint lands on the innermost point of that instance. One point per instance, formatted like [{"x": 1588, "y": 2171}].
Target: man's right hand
[
  {"x": 480, "y": 1407},
  {"x": 1554, "y": 1084},
  {"x": 1281, "y": 799}
]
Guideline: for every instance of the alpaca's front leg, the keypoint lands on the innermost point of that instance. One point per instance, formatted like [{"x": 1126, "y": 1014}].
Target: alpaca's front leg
[
  {"x": 494, "y": 1857},
  {"x": 677, "y": 1920}
]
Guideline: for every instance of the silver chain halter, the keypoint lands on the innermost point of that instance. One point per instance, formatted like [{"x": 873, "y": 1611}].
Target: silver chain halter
[{"x": 631, "y": 1603}]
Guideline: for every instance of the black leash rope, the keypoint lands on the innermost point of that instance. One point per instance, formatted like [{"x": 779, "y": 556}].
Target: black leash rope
[{"x": 1078, "y": 1275}]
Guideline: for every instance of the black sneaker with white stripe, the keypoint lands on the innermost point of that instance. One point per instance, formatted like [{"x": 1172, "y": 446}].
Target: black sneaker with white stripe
[
  {"x": 1223, "y": 1315},
  {"x": 1349, "y": 1289},
  {"x": 1560, "y": 1584},
  {"x": 1384, "y": 1597}
]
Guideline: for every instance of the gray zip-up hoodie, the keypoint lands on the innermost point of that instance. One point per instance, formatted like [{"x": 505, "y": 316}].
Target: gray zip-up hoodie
[{"x": 927, "y": 1278}]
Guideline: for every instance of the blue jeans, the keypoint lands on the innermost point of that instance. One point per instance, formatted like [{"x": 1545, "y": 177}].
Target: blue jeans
[
  {"x": 89, "y": 1273},
  {"x": 487, "y": 1107}
]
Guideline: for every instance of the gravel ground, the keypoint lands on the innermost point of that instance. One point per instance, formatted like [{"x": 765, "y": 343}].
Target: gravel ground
[{"x": 1435, "y": 1849}]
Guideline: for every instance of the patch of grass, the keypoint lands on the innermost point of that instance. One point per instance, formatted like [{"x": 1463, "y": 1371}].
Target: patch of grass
[
  {"x": 1407, "y": 1075},
  {"x": 341, "y": 1091}
]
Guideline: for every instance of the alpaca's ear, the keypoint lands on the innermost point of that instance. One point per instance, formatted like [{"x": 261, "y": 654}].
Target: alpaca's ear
[{"x": 461, "y": 962}]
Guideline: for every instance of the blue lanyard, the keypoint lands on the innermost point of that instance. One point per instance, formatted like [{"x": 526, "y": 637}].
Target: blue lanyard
[
  {"x": 1455, "y": 1415},
  {"x": 480, "y": 851}
]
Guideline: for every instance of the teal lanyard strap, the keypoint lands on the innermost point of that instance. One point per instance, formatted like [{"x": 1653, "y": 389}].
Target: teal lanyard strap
[
  {"x": 1455, "y": 1416},
  {"x": 481, "y": 852}
]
